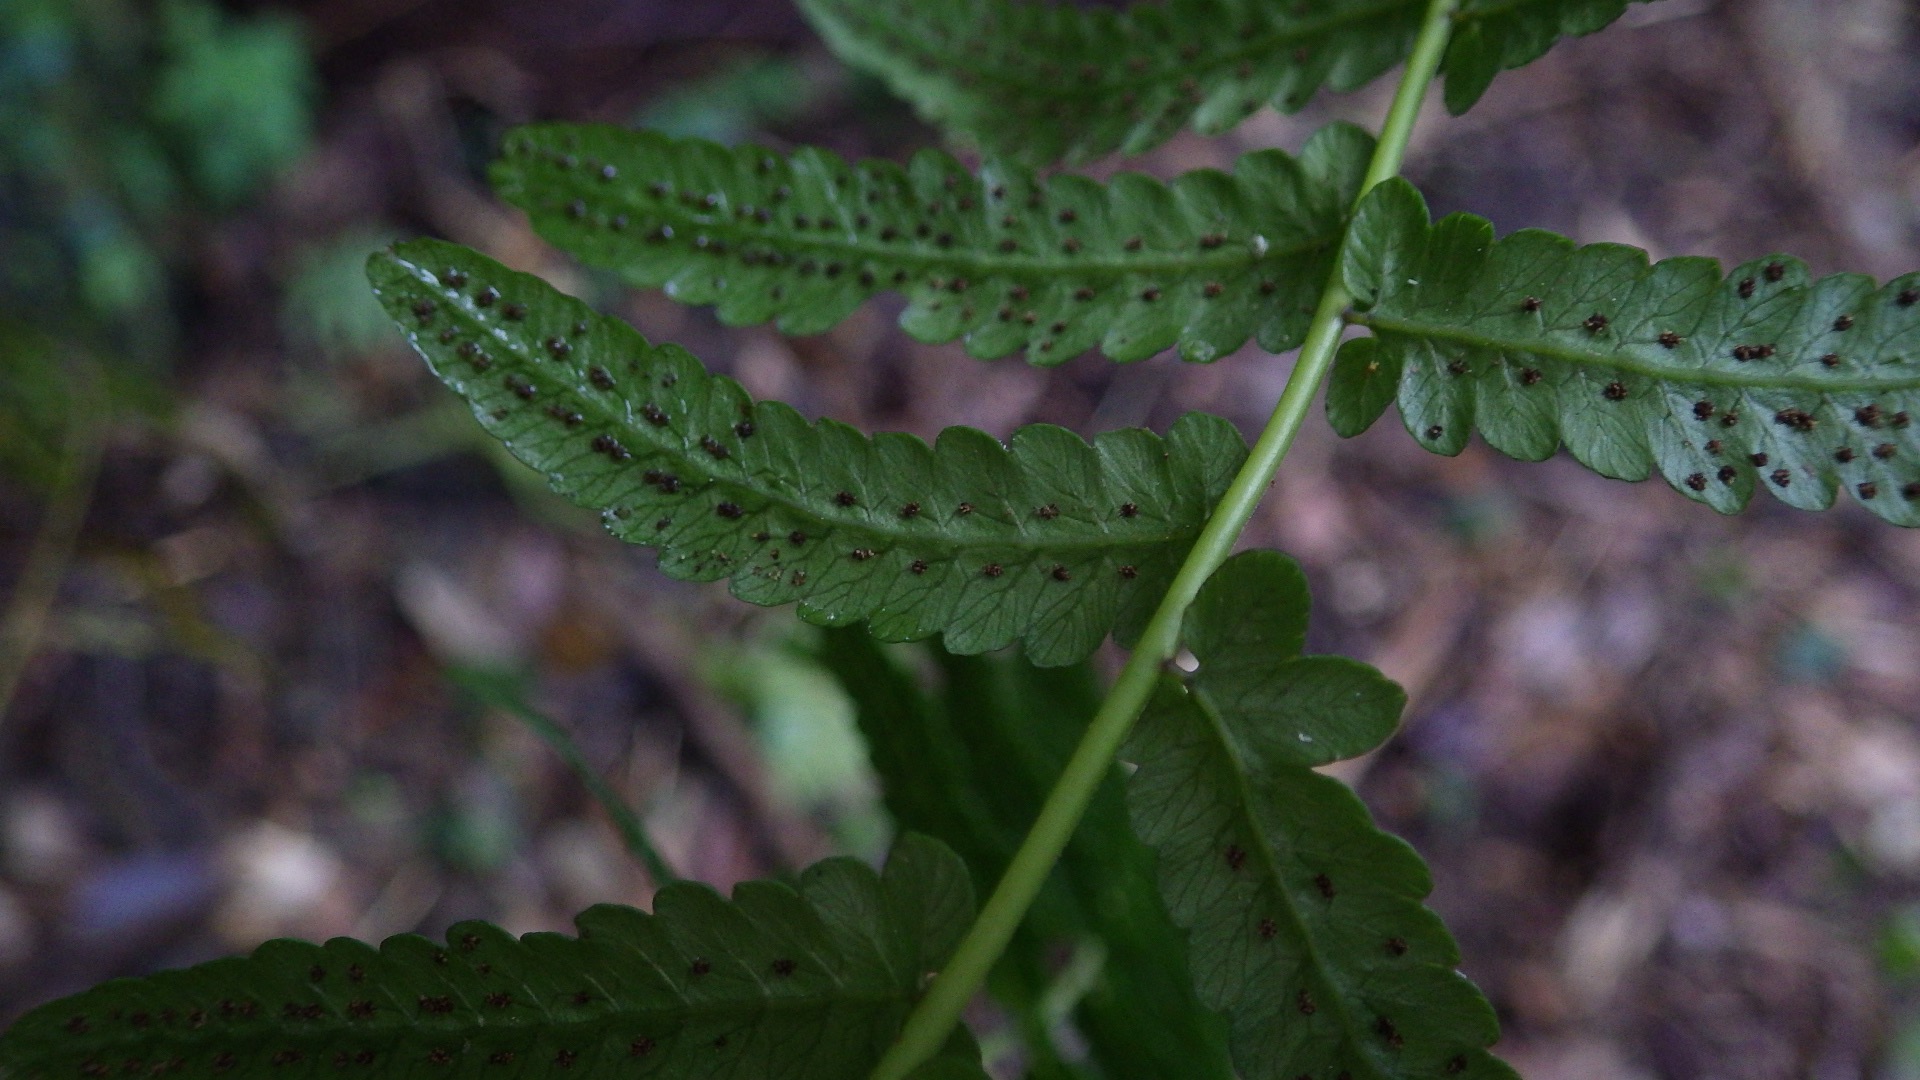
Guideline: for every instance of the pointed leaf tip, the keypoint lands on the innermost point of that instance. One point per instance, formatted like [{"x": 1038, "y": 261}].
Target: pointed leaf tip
[{"x": 1048, "y": 540}]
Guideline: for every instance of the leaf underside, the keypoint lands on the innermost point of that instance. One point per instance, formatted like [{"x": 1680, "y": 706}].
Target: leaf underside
[
  {"x": 1004, "y": 259},
  {"x": 1044, "y": 82},
  {"x": 1306, "y": 925},
  {"x": 1761, "y": 378},
  {"x": 1049, "y": 541},
  {"x": 971, "y": 764},
  {"x": 812, "y": 980}
]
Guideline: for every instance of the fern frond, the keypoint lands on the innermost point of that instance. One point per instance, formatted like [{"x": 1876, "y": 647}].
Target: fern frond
[
  {"x": 1763, "y": 378},
  {"x": 812, "y": 980},
  {"x": 1306, "y": 924},
  {"x": 971, "y": 765},
  {"x": 1041, "y": 82},
  {"x": 1004, "y": 259},
  {"x": 1048, "y": 541},
  {"x": 1491, "y": 36}
]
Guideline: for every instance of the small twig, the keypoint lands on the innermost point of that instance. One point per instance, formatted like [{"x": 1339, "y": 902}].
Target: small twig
[
  {"x": 501, "y": 691},
  {"x": 46, "y": 565}
]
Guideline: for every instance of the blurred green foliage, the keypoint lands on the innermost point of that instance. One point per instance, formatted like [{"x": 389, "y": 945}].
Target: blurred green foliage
[
  {"x": 34, "y": 405},
  {"x": 232, "y": 95},
  {"x": 1899, "y": 956},
  {"x": 1899, "y": 944},
  {"x": 804, "y": 720},
  {"x": 328, "y": 305},
  {"x": 128, "y": 129},
  {"x": 1810, "y": 654},
  {"x": 734, "y": 103},
  {"x": 123, "y": 125}
]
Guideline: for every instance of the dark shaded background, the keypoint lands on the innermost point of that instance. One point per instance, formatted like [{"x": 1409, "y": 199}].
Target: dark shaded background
[{"x": 1664, "y": 764}]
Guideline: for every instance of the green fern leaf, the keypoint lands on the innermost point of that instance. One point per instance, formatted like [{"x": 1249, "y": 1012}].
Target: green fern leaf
[
  {"x": 1763, "y": 378},
  {"x": 1305, "y": 920},
  {"x": 971, "y": 765},
  {"x": 1042, "y": 82},
  {"x": 1050, "y": 541},
  {"x": 1004, "y": 259},
  {"x": 1491, "y": 36},
  {"x": 812, "y": 980}
]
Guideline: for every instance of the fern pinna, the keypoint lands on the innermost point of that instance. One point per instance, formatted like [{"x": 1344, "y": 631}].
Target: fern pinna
[
  {"x": 1252, "y": 919},
  {"x": 1003, "y": 259},
  {"x": 1759, "y": 378},
  {"x": 1040, "y": 82},
  {"x": 807, "y": 980},
  {"x": 1050, "y": 541}
]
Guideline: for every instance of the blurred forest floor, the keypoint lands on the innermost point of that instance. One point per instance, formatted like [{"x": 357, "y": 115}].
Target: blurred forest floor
[{"x": 1665, "y": 765}]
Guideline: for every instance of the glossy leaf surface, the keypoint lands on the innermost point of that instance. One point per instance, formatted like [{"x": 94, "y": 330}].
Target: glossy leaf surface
[{"x": 1048, "y": 541}]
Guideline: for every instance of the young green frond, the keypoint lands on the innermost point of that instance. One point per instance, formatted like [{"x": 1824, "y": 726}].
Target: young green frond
[
  {"x": 971, "y": 765},
  {"x": 1041, "y": 82},
  {"x": 1047, "y": 541},
  {"x": 1305, "y": 922},
  {"x": 1762, "y": 378},
  {"x": 808, "y": 981},
  {"x": 1004, "y": 259}
]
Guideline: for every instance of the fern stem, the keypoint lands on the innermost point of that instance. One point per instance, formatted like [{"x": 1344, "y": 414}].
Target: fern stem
[
  {"x": 498, "y": 691},
  {"x": 927, "y": 1029}
]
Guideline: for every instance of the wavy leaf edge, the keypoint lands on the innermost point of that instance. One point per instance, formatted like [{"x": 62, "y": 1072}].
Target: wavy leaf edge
[
  {"x": 1758, "y": 378},
  {"x": 1001, "y": 258},
  {"x": 1045, "y": 82},
  {"x": 813, "y": 978},
  {"x": 1048, "y": 540}
]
